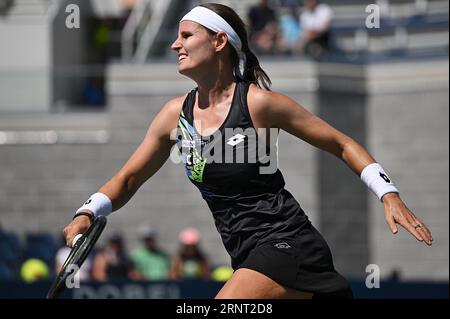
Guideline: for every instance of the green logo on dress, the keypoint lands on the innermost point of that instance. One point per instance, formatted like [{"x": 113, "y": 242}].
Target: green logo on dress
[
  {"x": 193, "y": 160},
  {"x": 197, "y": 171}
]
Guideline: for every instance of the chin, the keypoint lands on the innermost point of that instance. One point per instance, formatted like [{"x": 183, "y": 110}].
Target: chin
[{"x": 185, "y": 70}]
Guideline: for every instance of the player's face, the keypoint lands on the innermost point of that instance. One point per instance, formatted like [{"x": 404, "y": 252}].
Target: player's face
[{"x": 195, "y": 48}]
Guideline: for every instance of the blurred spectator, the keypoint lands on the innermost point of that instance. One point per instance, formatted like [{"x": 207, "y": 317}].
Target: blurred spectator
[
  {"x": 315, "y": 24},
  {"x": 149, "y": 260},
  {"x": 289, "y": 3},
  {"x": 5, "y": 6},
  {"x": 289, "y": 28},
  {"x": 127, "y": 7},
  {"x": 112, "y": 263},
  {"x": 83, "y": 274},
  {"x": 128, "y": 4},
  {"x": 93, "y": 92},
  {"x": 33, "y": 270},
  {"x": 102, "y": 34},
  {"x": 395, "y": 275},
  {"x": 190, "y": 262},
  {"x": 263, "y": 31},
  {"x": 5, "y": 272},
  {"x": 10, "y": 255}
]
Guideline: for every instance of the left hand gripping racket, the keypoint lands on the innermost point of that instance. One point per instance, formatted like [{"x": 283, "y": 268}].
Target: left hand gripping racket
[{"x": 82, "y": 246}]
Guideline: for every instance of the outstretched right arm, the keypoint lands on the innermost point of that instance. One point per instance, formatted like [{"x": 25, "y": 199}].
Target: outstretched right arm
[{"x": 149, "y": 157}]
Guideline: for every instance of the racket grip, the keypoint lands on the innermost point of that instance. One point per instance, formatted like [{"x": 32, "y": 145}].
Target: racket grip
[{"x": 75, "y": 239}]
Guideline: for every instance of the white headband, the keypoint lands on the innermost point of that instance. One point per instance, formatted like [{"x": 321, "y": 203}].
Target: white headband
[{"x": 214, "y": 22}]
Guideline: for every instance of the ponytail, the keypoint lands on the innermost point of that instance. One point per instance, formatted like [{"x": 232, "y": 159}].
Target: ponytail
[{"x": 254, "y": 73}]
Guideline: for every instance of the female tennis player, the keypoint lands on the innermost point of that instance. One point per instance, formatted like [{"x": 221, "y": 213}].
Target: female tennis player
[{"x": 275, "y": 251}]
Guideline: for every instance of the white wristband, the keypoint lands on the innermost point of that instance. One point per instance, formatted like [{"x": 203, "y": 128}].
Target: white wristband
[
  {"x": 99, "y": 204},
  {"x": 377, "y": 180}
]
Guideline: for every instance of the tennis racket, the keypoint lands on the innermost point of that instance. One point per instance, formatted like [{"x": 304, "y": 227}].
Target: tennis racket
[{"x": 81, "y": 247}]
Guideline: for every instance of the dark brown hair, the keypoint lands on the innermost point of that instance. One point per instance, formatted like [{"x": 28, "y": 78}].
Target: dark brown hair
[{"x": 253, "y": 72}]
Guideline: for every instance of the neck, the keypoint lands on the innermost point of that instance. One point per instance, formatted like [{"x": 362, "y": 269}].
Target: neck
[{"x": 215, "y": 87}]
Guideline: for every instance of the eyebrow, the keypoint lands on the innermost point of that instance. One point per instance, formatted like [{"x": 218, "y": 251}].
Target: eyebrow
[{"x": 184, "y": 33}]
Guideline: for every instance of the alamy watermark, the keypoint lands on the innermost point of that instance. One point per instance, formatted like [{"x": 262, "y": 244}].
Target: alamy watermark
[
  {"x": 374, "y": 17},
  {"x": 73, "y": 279},
  {"x": 230, "y": 145},
  {"x": 373, "y": 277},
  {"x": 372, "y": 20},
  {"x": 73, "y": 17}
]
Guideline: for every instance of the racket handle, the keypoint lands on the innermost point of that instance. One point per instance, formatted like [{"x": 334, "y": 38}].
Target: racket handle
[{"x": 75, "y": 239}]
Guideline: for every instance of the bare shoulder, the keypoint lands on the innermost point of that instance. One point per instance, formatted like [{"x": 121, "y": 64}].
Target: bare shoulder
[
  {"x": 167, "y": 118},
  {"x": 171, "y": 111},
  {"x": 257, "y": 97},
  {"x": 261, "y": 104},
  {"x": 173, "y": 107}
]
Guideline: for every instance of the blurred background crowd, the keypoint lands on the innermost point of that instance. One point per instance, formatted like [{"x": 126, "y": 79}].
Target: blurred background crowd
[
  {"x": 142, "y": 30},
  {"x": 40, "y": 256}
]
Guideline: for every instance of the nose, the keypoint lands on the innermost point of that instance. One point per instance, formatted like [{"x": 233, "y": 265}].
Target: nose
[{"x": 176, "y": 45}]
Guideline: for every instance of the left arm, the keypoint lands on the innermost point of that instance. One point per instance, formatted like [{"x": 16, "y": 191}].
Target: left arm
[{"x": 276, "y": 110}]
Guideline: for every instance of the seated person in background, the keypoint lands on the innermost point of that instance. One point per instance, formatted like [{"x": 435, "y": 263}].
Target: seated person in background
[
  {"x": 315, "y": 24},
  {"x": 263, "y": 33},
  {"x": 190, "y": 262},
  {"x": 5, "y": 6},
  {"x": 112, "y": 263},
  {"x": 93, "y": 93},
  {"x": 289, "y": 28},
  {"x": 148, "y": 259}
]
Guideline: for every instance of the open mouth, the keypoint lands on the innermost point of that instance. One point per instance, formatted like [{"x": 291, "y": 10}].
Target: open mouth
[{"x": 182, "y": 57}]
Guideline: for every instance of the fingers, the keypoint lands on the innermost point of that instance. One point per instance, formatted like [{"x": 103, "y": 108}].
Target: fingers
[
  {"x": 424, "y": 232},
  {"x": 427, "y": 231},
  {"x": 410, "y": 227},
  {"x": 69, "y": 234},
  {"x": 416, "y": 229},
  {"x": 398, "y": 213},
  {"x": 391, "y": 222},
  {"x": 423, "y": 228},
  {"x": 420, "y": 228},
  {"x": 75, "y": 239},
  {"x": 77, "y": 226}
]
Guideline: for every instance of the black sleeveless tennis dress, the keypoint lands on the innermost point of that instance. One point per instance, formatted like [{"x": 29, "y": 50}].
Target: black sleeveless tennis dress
[{"x": 261, "y": 224}]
